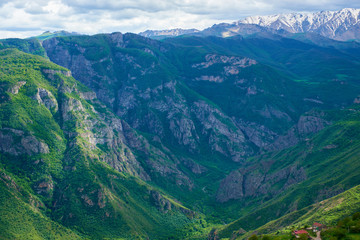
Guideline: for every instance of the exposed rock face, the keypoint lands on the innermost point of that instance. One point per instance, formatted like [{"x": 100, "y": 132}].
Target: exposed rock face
[
  {"x": 15, "y": 89},
  {"x": 231, "y": 66},
  {"x": 231, "y": 187},
  {"x": 45, "y": 97},
  {"x": 212, "y": 59},
  {"x": 88, "y": 95},
  {"x": 217, "y": 79},
  {"x": 161, "y": 165},
  {"x": 51, "y": 72},
  {"x": 258, "y": 134},
  {"x": 105, "y": 132},
  {"x": 224, "y": 136},
  {"x": 131, "y": 101},
  {"x": 160, "y": 202},
  {"x": 8, "y": 181},
  {"x": 17, "y": 142},
  {"x": 311, "y": 124},
  {"x": 45, "y": 187},
  {"x": 268, "y": 140},
  {"x": 183, "y": 130},
  {"x": 253, "y": 182},
  {"x": 118, "y": 39},
  {"x": 308, "y": 124},
  {"x": 193, "y": 166}
]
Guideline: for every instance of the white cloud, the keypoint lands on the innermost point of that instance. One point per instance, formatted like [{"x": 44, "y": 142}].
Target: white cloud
[{"x": 23, "y": 18}]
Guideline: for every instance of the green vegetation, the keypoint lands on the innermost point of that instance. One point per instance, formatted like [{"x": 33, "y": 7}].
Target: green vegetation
[
  {"x": 32, "y": 46},
  {"x": 347, "y": 228},
  {"x": 70, "y": 168},
  {"x": 48, "y": 35},
  {"x": 58, "y": 185},
  {"x": 326, "y": 158},
  {"x": 327, "y": 212}
]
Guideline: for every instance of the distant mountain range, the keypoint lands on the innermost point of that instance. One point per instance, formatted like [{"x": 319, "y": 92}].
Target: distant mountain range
[
  {"x": 342, "y": 25},
  {"x": 160, "y": 34}
]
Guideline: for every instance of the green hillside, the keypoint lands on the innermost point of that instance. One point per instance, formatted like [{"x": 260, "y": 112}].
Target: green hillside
[
  {"x": 330, "y": 158},
  {"x": 54, "y": 175},
  {"x": 327, "y": 212}
]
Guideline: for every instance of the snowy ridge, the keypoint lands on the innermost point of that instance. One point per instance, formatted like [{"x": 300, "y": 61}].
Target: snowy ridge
[{"x": 326, "y": 23}]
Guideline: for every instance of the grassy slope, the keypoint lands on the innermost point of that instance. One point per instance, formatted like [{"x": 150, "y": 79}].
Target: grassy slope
[
  {"x": 327, "y": 212},
  {"x": 87, "y": 195},
  {"x": 32, "y": 46},
  {"x": 330, "y": 158},
  {"x": 20, "y": 219}
]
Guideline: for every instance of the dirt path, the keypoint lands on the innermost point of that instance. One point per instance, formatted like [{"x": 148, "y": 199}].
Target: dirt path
[{"x": 318, "y": 236}]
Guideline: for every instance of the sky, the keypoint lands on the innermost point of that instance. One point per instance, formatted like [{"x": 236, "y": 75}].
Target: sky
[{"x": 25, "y": 18}]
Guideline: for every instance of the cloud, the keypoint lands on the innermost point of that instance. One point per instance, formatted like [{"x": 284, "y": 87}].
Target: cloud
[{"x": 25, "y": 18}]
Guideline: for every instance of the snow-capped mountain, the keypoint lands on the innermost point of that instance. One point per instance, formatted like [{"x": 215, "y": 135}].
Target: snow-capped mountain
[
  {"x": 339, "y": 25},
  {"x": 342, "y": 25}
]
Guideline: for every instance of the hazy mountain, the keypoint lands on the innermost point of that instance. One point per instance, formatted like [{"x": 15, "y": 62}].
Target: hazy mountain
[{"x": 161, "y": 34}]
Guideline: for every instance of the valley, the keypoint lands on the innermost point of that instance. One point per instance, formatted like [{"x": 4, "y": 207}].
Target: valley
[{"x": 192, "y": 136}]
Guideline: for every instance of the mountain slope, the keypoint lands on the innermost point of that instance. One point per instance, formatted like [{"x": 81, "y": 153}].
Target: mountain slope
[
  {"x": 230, "y": 127},
  {"x": 201, "y": 100},
  {"x": 328, "y": 159},
  {"x": 63, "y": 160},
  {"x": 327, "y": 212}
]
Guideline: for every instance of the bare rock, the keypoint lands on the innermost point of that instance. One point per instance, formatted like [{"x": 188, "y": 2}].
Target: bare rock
[
  {"x": 46, "y": 98},
  {"x": 311, "y": 124},
  {"x": 51, "y": 73},
  {"x": 15, "y": 89},
  {"x": 231, "y": 187},
  {"x": 161, "y": 203},
  {"x": 45, "y": 187},
  {"x": 224, "y": 136},
  {"x": 183, "y": 130},
  {"x": 212, "y": 59},
  {"x": 117, "y": 38},
  {"x": 255, "y": 181},
  {"x": 16, "y": 142},
  {"x": 88, "y": 95},
  {"x": 193, "y": 166}
]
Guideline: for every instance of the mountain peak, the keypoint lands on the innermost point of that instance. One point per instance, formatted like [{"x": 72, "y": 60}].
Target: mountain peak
[{"x": 332, "y": 24}]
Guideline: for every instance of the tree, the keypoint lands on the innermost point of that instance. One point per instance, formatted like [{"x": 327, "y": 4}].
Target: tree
[
  {"x": 345, "y": 223},
  {"x": 303, "y": 236},
  {"x": 253, "y": 237},
  {"x": 265, "y": 237},
  {"x": 356, "y": 216}
]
